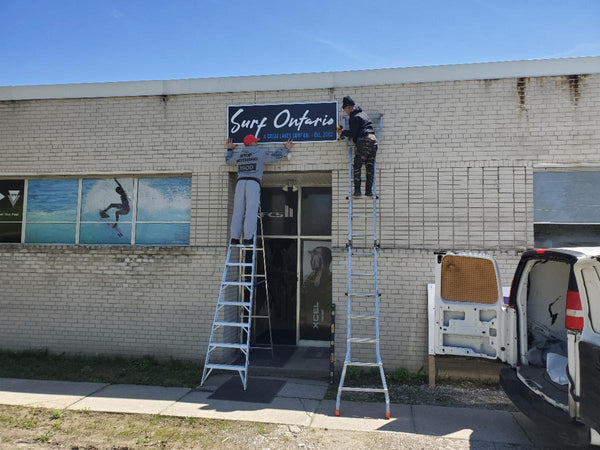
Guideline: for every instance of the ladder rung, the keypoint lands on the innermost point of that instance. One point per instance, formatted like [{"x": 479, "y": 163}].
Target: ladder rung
[
  {"x": 362, "y": 294},
  {"x": 228, "y": 345},
  {"x": 362, "y": 234},
  {"x": 236, "y": 264},
  {"x": 363, "y": 254},
  {"x": 237, "y": 283},
  {"x": 362, "y": 364},
  {"x": 362, "y": 317},
  {"x": 262, "y": 347},
  {"x": 242, "y": 246},
  {"x": 232, "y": 324},
  {"x": 227, "y": 303},
  {"x": 361, "y": 389},
  {"x": 225, "y": 367},
  {"x": 363, "y": 340}
]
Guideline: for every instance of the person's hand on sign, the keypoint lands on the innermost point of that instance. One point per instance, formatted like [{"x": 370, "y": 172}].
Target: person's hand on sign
[
  {"x": 339, "y": 131},
  {"x": 288, "y": 145},
  {"x": 230, "y": 144}
]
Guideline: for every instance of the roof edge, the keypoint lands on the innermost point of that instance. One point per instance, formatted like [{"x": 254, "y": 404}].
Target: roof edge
[{"x": 301, "y": 81}]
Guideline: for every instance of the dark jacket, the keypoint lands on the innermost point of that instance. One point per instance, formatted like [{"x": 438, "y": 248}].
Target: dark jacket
[{"x": 360, "y": 124}]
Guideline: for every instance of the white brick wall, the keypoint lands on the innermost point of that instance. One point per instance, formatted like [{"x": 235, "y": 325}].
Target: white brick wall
[{"x": 455, "y": 171}]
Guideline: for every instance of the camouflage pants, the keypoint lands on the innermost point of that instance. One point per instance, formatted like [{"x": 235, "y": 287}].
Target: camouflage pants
[{"x": 366, "y": 149}]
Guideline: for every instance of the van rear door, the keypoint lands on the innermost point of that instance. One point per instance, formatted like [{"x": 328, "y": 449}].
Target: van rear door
[
  {"x": 588, "y": 275},
  {"x": 469, "y": 315}
]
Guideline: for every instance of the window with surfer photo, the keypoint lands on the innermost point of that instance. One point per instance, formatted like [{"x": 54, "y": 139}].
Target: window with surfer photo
[
  {"x": 121, "y": 208},
  {"x": 106, "y": 210}
]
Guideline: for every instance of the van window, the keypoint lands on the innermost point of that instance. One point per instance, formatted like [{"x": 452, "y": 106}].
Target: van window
[{"x": 591, "y": 279}]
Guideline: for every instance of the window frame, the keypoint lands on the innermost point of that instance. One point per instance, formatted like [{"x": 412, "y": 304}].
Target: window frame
[{"x": 560, "y": 168}]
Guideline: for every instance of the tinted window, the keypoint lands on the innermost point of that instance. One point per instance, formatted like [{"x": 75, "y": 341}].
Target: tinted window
[
  {"x": 279, "y": 209},
  {"x": 566, "y": 208},
  {"x": 316, "y": 211},
  {"x": 51, "y": 211}
]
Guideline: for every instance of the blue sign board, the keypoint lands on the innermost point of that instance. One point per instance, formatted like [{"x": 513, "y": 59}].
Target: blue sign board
[{"x": 302, "y": 122}]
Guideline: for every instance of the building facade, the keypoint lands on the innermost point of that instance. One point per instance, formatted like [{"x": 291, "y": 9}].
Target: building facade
[{"x": 459, "y": 152}]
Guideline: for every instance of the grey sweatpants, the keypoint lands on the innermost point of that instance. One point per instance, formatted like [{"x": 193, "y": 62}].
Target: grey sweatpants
[{"x": 245, "y": 209}]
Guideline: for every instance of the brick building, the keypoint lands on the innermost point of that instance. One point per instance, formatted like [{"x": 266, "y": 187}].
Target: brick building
[{"x": 459, "y": 153}]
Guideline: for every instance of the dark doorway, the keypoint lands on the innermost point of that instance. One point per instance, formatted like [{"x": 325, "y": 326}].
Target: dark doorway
[{"x": 281, "y": 255}]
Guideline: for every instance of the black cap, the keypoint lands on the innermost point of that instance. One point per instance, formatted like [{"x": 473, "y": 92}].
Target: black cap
[{"x": 347, "y": 101}]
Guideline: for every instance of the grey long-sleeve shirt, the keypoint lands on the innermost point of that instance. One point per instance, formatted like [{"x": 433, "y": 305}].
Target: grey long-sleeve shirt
[{"x": 251, "y": 160}]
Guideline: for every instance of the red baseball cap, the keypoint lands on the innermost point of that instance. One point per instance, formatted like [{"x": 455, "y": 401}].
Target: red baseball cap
[{"x": 249, "y": 139}]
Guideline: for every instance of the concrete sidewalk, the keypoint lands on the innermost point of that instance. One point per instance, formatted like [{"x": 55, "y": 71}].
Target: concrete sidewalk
[{"x": 298, "y": 402}]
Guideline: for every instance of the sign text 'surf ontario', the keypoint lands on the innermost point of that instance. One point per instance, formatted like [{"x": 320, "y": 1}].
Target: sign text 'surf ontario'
[{"x": 302, "y": 122}]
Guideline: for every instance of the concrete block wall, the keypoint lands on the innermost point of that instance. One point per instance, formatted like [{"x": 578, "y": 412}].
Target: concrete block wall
[{"x": 455, "y": 171}]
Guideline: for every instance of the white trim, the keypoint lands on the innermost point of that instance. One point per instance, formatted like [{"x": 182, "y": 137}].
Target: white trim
[{"x": 322, "y": 80}]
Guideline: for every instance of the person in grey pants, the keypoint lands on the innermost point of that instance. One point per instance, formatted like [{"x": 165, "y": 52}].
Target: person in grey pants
[{"x": 251, "y": 161}]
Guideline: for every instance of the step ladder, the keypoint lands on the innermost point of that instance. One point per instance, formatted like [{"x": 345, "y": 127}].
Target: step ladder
[
  {"x": 363, "y": 286},
  {"x": 235, "y": 314}
]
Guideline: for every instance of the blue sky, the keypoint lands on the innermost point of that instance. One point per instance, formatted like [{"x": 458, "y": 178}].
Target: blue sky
[{"x": 81, "y": 41}]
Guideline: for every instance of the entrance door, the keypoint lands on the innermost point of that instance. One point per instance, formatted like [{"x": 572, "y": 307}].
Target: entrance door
[
  {"x": 315, "y": 265},
  {"x": 297, "y": 231}
]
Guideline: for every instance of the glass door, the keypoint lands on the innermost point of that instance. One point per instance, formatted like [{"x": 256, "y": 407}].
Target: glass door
[
  {"x": 297, "y": 231},
  {"x": 315, "y": 267}
]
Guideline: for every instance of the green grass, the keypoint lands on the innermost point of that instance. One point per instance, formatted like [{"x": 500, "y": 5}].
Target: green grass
[{"x": 43, "y": 365}]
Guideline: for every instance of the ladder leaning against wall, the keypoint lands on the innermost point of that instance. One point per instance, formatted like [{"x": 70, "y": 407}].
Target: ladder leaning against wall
[
  {"x": 229, "y": 344},
  {"x": 362, "y": 284}
]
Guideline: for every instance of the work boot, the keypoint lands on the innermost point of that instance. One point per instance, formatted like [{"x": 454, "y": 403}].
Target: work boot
[
  {"x": 248, "y": 242},
  {"x": 235, "y": 242}
]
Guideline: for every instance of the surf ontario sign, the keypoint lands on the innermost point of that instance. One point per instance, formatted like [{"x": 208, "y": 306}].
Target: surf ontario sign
[{"x": 302, "y": 122}]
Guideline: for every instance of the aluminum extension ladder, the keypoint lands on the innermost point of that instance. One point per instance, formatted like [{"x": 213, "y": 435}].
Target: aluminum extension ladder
[
  {"x": 235, "y": 313},
  {"x": 363, "y": 286}
]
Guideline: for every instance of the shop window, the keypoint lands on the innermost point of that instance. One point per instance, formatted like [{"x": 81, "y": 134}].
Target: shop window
[
  {"x": 51, "y": 211},
  {"x": 163, "y": 211},
  {"x": 566, "y": 209},
  {"x": 316, "y": 211},
  {"x": 125, "y": 211},
  {"x": 11, "y": 210},
  {"x": 106, "y": 211},
  {"x": 279, "y": 211}
]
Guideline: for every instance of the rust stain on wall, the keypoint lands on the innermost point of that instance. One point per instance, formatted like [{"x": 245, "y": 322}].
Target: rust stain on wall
[
  {"x": 521, "y": 84},
  {"x": 574, "y": 83}
]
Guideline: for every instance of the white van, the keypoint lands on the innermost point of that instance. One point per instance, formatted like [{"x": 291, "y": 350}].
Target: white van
[{"x": 548, "y": 331}]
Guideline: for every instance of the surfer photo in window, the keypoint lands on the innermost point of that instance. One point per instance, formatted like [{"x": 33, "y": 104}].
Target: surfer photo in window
[{"x": 122, "y": 208}]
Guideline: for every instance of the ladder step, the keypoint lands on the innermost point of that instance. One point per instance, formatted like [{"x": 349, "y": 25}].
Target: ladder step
[
  {"x": 362, "y": 234},
  {"x": 232, "y": 324},
  {"x": 362, "y": 294},
  {"x": 236, "y": 264},
  {"x": 361, "y": 317},
  {"x": 361, "y": 389},
  {"x": 237, "y": 283},
  {"x": 363, "y": 254},
  {"x": 362, "y": 364},
  {"x": 363, "y": 340},
  {"x": 228, "y": 345},
  {"x": 225, "y": 367},
  {"x": 243, "y": 304}
]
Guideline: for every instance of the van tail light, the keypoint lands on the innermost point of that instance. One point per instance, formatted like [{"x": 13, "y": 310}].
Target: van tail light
[{"x": 574, "y": 313}]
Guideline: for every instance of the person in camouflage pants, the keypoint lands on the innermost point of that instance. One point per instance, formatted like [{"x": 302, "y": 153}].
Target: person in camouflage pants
[{"x": 362, "y": 134}]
